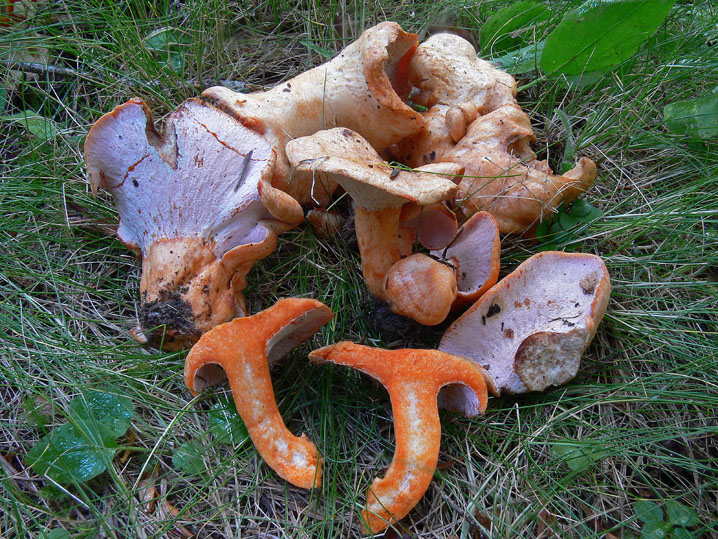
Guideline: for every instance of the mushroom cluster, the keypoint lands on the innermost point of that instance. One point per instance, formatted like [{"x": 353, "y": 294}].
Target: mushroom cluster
[{"x": 205, "y": 199}]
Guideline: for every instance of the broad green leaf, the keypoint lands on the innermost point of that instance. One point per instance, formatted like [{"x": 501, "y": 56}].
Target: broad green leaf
[
  {"x": 188, "y": 457},
  {"x": 497, "y": 33},
  {"x": 694, "y": 117},
  {"x": 579, "y": 456},
  {"x": 600, "y": 34},
  {"x": 71, "y": 453},
  {"x": 225, "y": 423},
  {"x": 583, "y": 211},
  {"x": 680, "y": 515},
  {"x": 681, "y": 533},
  {"x": 113, "y": 411},
  {"x": 169, "y": 46},
  {"x": 522, "y": 60},
  {"x": 655, "y": 529},
  {"x": 648, "y": 511},
  {"x": 38, "y": 126}
]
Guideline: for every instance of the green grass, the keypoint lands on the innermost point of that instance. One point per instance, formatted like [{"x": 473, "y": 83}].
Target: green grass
[{"x": 645, "y": 402}]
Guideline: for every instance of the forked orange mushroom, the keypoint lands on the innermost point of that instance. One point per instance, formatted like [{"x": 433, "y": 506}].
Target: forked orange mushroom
[
  {"x": 413, "y": 379},
  {"x": 242, "y": 351}
]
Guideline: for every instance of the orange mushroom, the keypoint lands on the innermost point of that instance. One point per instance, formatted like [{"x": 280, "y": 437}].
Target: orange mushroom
[
  {"x": 242, "y": 351},
  {"x": 413, "y": 379}
]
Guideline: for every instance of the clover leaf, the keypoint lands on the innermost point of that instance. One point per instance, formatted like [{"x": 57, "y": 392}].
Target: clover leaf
[{"x": 83, "y": 448}]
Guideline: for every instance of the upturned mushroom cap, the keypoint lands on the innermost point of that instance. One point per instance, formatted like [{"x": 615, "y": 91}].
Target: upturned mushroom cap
[
  {"x": 413, "y": 379},
  {"x": 530, "y": 330},
  {"x": 363, "y": 88},
  {"x": 242, "y": 351},
  {"x": 195, "y": 203},
  {"x": 378, "y": 191},
  {"x": 475, "y": 255}
]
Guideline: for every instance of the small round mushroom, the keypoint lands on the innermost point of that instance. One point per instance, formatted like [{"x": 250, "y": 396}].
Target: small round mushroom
[
  {"x": 378, "y": 191},
  {"x": 530, "y": 330},
  {"x": 419, "y": 288},
  {"x": 197, "y": 205},
  {"x": 475, "y": 255},
  {"x": 242, "y": 351},
  {"x": 413, "y": 379},
  {"x": 363, "y": 88}
]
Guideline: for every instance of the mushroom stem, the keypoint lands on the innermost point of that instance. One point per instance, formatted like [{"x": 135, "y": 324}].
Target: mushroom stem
[
  {"x": 413, "y": 379},
  {"x": 242, "y": 351},
  {"x": 377, "y": 236}
]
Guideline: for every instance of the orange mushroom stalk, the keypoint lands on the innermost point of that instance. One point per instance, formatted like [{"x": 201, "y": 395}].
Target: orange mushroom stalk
[
  {"x": 242, "y": 351},
  {"x": 413, "y": 379}
]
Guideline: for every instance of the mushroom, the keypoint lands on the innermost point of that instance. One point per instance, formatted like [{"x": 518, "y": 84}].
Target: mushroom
[
  {"x": 196, "y": 204},
  {"x": 475, "y": 255},
  {"x": 363, "y": 88},
  {"x": 413, "y": 379},
  {"x": 433, "y": 226},
  {"x": 474, "y": 120},
  {"x": 530, "y": 330},
  {"x": 242, "y": 351},
  {"x": 379, "y": 192}
]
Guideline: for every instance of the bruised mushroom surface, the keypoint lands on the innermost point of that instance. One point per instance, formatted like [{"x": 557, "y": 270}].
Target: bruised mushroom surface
[
  {"x": 242, "y": 351},
  {"x": 379, "y": 192},
  {"x": 195, "y": 203},
  {"x": 363, "y": 88},
  {"x": 474, "y": 120},
  {"x": 530, "y": 330},
  {"x": 413, "y": 379}
]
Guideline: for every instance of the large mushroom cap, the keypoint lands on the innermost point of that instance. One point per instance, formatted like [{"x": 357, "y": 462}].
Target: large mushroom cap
[
  {"x": 373, "y": 185},
  {"x": 195, "y": 203},
  {"x": 530, "y": 330},
  {"x": 363, "y": 88}
]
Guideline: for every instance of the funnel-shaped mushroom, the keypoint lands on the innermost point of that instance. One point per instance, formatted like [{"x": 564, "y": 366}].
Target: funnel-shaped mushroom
[
  {"x": 474, "y": 121},
  {"x": 196, "y": 204},
  {"x": 379, "y": 192},
  {"x": 413, "y": 379},
  {"x": 242, "y": 351},
  {"x": 530, "y": 330},
  {"x": 363, "y": 88},
  {"x": 475, "y": 255}
]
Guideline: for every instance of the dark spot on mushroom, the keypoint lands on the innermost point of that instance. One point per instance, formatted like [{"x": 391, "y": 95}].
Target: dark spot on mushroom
[
  {"x": 493, "y": 309},
  {"x": 394, "y": 173},
  {"x": 135, "y": 182},
  {"x": 487, "y": 366},
  {"x": 509, "y": 333},
  {"x": 432, "y": 155},
  {"x": 483, "y": 319}
]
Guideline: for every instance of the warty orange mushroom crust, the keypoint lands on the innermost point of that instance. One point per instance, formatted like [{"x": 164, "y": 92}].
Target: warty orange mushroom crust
[
  {"x": 413, "y": 379},
  {"x": 242, "y": 351}
]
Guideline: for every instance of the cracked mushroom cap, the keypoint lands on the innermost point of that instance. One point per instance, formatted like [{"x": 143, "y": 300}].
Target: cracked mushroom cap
[
  {"x": 363, "y": 88},
  {"x": 447, "y": 71},
  {"x": 530, "y": 330},
  {"x": 413, "y": 378},
  {"x": 195, "y": 202},
  {"x": 242, "y": 351},
  {"x": 475, "y": 255}
]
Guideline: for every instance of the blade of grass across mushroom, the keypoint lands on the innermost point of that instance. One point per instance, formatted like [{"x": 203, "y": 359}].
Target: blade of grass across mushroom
[
  {"x": 242, "y": 352},
  {"x": 378, "y": 192},
  {"x": 530, "y": 330},
  {"x": 413, "y": 379},
  {"x": 363, "y": 88},
  {"x": 197, "y": 205},
  {"x": 474, "y": 120}
]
